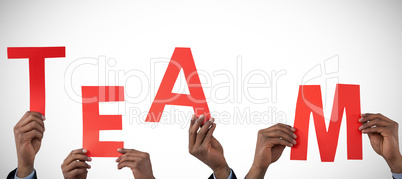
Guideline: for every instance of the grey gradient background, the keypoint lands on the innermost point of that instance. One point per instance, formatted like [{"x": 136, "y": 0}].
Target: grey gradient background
[{"x": 294, "y": 36}]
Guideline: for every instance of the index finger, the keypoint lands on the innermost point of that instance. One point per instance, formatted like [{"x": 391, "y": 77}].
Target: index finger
[
  {"x": 124, "y": 150},
  {"x": 193, "y": 118},
  {"x": 78, "y": 154},
  {"x": 193, "y": 130},
  {"x": 31, "y": 116},
  {"x": 369, "y": 117}
]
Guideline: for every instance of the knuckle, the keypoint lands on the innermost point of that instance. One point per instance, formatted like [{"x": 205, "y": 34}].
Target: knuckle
[
  {"x": 32, "y": 125},
  {"x": 144, "y": 155},
  {"x": 30, "y": 116},
  {"x": 192, "y": 131},
  {"x": 75, "y": 172},
  {"x": 147, "y": 155},
  {"x": 134, "y": 165},
  {"x": 16, "y": 130},
  {"x": 278, "y": 132},
  {"x": 260, "y": 132}
]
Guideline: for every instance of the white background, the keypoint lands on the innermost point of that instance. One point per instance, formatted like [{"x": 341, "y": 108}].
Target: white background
[{"x": 363, "y": 37}]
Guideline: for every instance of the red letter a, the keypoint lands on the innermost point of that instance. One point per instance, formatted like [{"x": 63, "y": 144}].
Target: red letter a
[
  {"x": 309, "y": 101},
  {"x": 181, "y": 58},
  {"x": 36, "y": 56}
]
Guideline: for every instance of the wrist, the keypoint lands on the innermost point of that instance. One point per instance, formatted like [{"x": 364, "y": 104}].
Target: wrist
[
  {"x": 395, "y": 164},
  {"x": 222, "y": 172},
  {"x": 24, "y": 170},
  {"x": 256, "y": 172},
  {"x": 149, "y": 176}
]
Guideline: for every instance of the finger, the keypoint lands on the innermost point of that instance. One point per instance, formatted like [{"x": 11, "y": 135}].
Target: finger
[
  {"x": 287, "y": 126},
  {"x": 202, "y": 132},
  {"x": 24, "y": 116},
  {"x": 77, "y": 172},
  {"x": 191, "y": 137},
  {"x": 374, "y": 130},
  {"x": 31, "y": 117},
  {"x": 126, "y": 164},
  {"x": 76, "y": 165},
  {"x": 208, "y": 136},
  {"x": 193, "y": 130},
  {"x": 193, "y": 118},
  {"x": 369, "y": 117},
  {"x": 277, "y": 141},
  {"x": 38, "y": 114},
  {"x": 129, "y": 152},
  {"x": 129, "y": 158},
  {"x": 124, "y": 150},
  {"x": 32, "y": 135},
  {"x": 375, "y": 122},
  {"x": 78, "y": 154},
  {"x": 279, "y": 134},
  {"x": 285, "y": 129},
  {"x": 33, "y": 125}
]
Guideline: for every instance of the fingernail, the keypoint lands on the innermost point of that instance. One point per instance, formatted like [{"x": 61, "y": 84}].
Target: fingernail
[
  {"x": 43, "y": 117},
  {"x": 291, "y": 145},
  {"x": 293, "y": 129},
  {"x": 89, "y": 166},
  {"x": 294, "y": 141},
  {"x": 360, "y": 120},
  {"x": 294, "y": 136},
  {"x": 364, "y": 130},
  {"x": 361, "y": 127},
  {"x": 89, "y": 159},
  {"x": 201, "y": 116},
  {"x": 84, "y": 151},
  {"x": 213, "y": 119}
]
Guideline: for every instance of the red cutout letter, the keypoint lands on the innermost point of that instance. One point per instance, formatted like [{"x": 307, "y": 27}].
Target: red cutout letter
[
  {"x": 36, "y": 56},
  {"x": 309, "y": 101},
  {"x": 181, "y": 58},
  {"x": 93, "y": 122}
]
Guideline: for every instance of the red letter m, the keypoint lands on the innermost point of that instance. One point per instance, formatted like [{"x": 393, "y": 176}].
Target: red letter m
[{"x": 309, "y": 101}]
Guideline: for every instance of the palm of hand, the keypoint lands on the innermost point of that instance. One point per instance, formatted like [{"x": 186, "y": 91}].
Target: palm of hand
[
  {"x": 276, "y": 152},
  {"x": 82, "y": 176},
  {"x": 215, "y": 154},
  {"x": 29, "y": 149},
  {"x": 382, "y": 145},
  {"x": 270, "y": 153}
]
